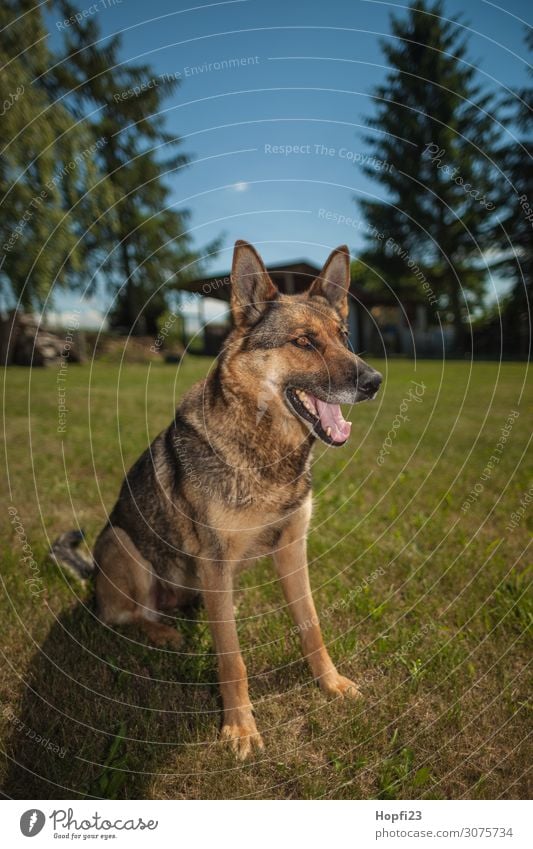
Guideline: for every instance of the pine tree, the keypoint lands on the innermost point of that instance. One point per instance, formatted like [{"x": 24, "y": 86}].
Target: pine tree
[
  {"x": 514, "y": 232},
  {"x": 46, "y": 167},
  {"x": 435, "y": 141},
  {"x": 144, "y": 247}
]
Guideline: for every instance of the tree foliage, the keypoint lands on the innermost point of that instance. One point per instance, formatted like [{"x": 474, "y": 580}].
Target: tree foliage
[
  {"x": 84, "y": 173},
  {"x": 436, "y": 134},
  {"x": 144, "y": 236},
  {"x": 514, "y": 236},
  {"x": 46, "y": 167}
]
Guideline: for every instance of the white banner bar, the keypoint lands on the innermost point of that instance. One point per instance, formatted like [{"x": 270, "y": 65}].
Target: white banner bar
[{"x": 258, "y": 824}]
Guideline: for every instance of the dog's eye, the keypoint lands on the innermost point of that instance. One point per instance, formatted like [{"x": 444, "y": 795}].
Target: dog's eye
[{"x": 302, "y": 342}]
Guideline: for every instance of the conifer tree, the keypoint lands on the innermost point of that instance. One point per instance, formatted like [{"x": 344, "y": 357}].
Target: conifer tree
[
  {"x": 514, "y": 233},
  {"x": 437, "y": 136},
  {"x": 47, "y": 168},
  {"x": 144, "y": 239}
]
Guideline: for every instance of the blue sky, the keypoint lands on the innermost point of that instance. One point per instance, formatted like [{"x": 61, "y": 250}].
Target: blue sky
[{"x": 284, "y": 74}]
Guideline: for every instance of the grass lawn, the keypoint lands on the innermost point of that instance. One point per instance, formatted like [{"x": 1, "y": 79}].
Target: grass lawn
[{"x": 419, "y": 571}]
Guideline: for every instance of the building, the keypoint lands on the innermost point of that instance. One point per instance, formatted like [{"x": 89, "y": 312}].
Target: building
[{"x": 378, "y": 325}]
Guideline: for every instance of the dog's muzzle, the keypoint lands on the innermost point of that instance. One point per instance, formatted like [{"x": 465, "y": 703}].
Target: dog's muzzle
[{"x": 368, "y": 381}]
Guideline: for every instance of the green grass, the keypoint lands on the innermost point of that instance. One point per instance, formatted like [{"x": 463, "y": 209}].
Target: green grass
[{"x": 425, "y": 604}]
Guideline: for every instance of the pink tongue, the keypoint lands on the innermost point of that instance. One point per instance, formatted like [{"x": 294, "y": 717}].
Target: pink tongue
[{"x": 330, "y": 416}]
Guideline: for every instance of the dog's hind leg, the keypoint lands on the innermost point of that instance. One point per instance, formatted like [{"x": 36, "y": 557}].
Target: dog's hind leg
[{"x": 126, "y": 587}]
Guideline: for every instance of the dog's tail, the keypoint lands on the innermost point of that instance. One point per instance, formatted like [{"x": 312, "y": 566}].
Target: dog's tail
[{"x": 64, "y": 552}]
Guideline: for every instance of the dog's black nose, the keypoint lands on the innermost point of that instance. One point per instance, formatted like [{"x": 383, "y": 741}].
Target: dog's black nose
[{"x": 369, "y": 381}]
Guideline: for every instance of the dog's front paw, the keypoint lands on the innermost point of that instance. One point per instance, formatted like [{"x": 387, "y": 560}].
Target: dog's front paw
[
  {"x": 337, "y": 685},
  {"x": 243, "y": 738}
]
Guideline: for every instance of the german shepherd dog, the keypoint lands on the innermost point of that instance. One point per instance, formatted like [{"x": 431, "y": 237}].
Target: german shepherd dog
[{"x": 229, "y": 480}]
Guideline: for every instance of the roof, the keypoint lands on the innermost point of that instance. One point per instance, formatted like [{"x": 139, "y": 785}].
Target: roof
[{"x": 302, "y": 273}]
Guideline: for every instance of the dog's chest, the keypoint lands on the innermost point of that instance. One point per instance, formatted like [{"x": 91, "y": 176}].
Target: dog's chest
[{"x": 250, "y": 531}]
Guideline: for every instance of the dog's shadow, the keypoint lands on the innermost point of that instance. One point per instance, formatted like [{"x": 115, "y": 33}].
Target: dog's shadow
[{"x": 102, "y": 712}]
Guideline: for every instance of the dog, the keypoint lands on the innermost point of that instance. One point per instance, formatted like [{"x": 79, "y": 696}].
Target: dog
[{"x": 229, "y": 480}]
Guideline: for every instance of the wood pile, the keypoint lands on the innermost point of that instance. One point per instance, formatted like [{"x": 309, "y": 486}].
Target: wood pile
[{"x": 24, "y": 342}]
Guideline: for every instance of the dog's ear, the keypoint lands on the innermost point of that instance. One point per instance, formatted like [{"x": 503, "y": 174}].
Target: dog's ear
[
  {"x": 251, "y": 287},
  {"x": 333, "y": 282}
]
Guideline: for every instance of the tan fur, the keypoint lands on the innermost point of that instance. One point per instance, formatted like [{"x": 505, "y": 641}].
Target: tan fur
[
  {"x": 229, "y": 481},
  {"x": 291, "y": 564},
  {"x": 127, "y": 588}
]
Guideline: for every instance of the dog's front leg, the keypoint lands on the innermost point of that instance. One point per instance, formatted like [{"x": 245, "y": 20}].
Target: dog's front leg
[
  {"x": 239, "y": 725},
  {"x": 291, "y": 564}
]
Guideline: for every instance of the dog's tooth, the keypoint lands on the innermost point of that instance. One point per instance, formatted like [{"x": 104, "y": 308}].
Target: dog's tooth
[{"x": 328, "y": 431}]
